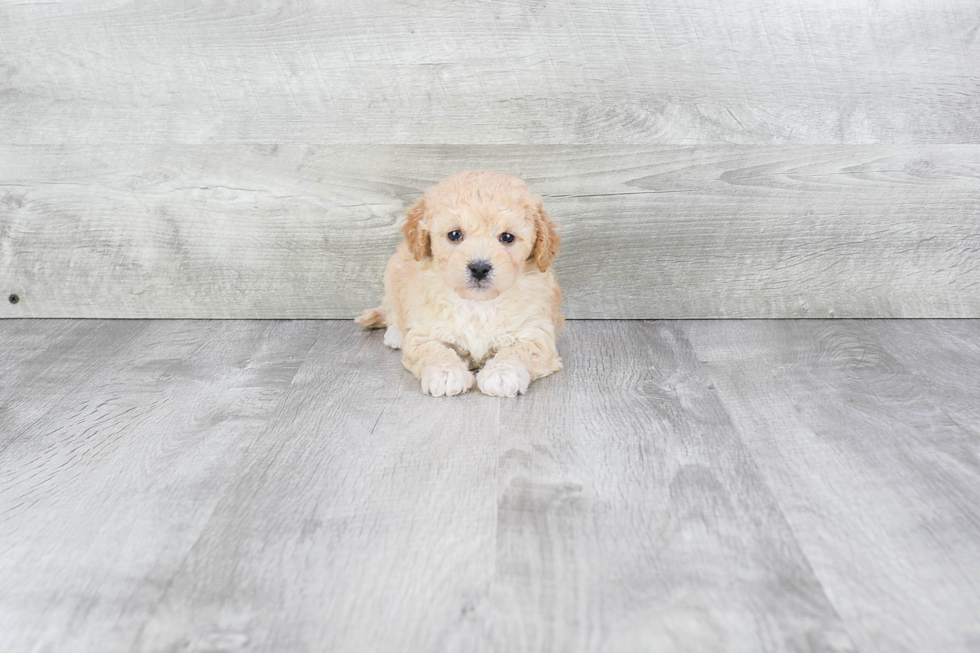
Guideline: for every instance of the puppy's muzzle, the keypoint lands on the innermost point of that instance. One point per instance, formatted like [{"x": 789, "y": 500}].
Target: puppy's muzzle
[{"x": 480, "y": 269}]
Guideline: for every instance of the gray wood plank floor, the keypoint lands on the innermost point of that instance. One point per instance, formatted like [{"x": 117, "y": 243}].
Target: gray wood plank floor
[{"x": 280, "y": 486}]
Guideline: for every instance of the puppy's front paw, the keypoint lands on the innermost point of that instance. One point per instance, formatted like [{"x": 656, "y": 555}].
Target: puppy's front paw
[
  {"x": 446, "y": 380},
  {"x": 393, "y": 337},
  {"x": 503, "y": 378}
]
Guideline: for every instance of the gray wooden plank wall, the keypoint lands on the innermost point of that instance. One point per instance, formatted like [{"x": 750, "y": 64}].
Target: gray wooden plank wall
[{"x": 706, "y": 159}]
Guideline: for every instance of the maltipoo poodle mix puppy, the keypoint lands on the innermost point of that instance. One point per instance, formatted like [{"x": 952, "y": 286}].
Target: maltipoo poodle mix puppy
[{"x": 472, "y": 288}]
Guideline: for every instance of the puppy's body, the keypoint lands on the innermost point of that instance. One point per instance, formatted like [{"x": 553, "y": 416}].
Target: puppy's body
[
  {"x": 446, "y": 318},
  {"x": 417, "y": 302}
]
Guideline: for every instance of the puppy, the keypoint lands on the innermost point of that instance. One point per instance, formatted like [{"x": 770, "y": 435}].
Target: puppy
[{"x": 471, "y": 287}]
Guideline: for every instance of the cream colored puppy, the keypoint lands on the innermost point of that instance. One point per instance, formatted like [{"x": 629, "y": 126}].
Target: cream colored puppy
[{"x": 472, "y": 288}]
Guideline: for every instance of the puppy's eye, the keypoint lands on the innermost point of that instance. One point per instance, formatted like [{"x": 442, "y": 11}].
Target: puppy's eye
[
  {"x": 455, "y": 234},
  {"x": 506, "y": 238}
]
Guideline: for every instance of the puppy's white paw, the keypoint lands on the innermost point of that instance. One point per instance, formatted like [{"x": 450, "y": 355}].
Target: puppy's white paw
[
  {"x": 446, "y": 380},
  {"x": 393, "y": 337},
  {"x": 503, "y": 378}
]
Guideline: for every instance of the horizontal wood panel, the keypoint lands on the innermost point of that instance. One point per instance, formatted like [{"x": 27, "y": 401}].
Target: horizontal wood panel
[
  {"x": 611, "y": 72},
  {"x": 650, "y": 232}
]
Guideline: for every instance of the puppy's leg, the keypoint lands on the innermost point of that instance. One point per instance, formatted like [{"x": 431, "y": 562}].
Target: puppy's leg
[
  {"x": 393, "y": 336},
  {"x": 513, "y": 368},
  {"x": 440, "y": 369}
]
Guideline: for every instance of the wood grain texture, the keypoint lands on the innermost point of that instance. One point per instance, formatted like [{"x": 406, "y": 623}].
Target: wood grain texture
[
  {"x": 365, "y": 521},
  {"x": 42, "y": 365},
  {"x": 741, "y": 159},
  {"x": 650, "y": 232},
  {"x": 618, "y": 71},
  {"x": 945, "y": 357},
  {"x": 150, "y": 514},
  {"x": 103, "y": 496},
  {"x": 873, "y": 458},
  {"x": 631, "y": 517}
]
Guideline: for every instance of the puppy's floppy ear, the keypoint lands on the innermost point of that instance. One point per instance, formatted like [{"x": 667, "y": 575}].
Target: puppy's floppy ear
[
  {"x": 416, "y": 235},
  {"x": 547, "y": 239}
]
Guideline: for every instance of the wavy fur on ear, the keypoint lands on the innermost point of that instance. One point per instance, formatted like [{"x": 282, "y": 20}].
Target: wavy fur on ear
[
  {"x": 547, "y": 240},
  {"x": 416, "y": 235}
]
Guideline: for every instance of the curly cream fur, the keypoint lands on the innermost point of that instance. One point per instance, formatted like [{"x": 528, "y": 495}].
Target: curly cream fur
[{"x": 445, "y": 324}]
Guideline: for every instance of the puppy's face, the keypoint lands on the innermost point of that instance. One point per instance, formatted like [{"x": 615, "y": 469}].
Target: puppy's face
[
  {"x": 480, "y": 229},
  {"x": 480, "y": 250}
]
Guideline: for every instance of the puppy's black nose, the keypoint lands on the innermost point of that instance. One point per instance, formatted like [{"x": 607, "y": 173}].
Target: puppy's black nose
[{"x": 480, "y": 269}]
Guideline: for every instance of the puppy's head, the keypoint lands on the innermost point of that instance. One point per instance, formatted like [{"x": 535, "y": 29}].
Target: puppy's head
[{"x": 481, "y": 230}]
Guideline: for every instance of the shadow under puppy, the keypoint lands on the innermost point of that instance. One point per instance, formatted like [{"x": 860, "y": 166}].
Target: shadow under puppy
[{"x": 471, "y": 287}]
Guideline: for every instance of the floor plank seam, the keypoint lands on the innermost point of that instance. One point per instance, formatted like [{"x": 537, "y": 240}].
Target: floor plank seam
[{"x": 756, "y": 469}]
